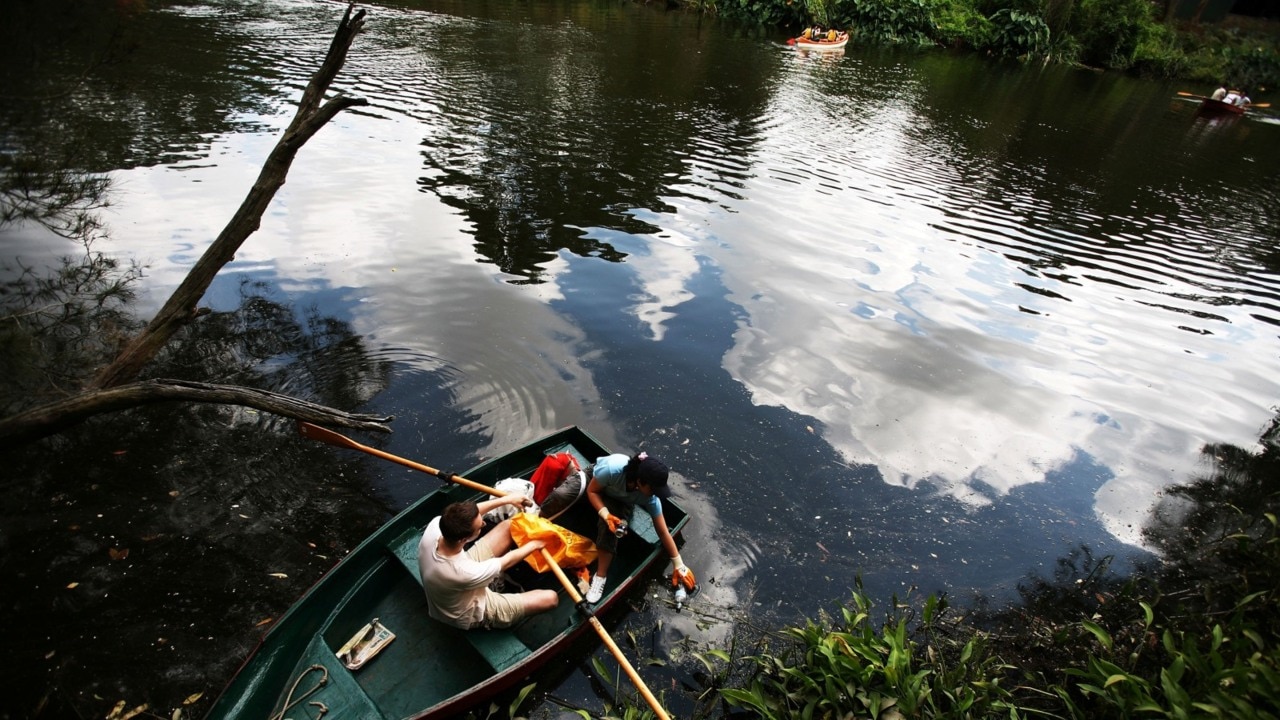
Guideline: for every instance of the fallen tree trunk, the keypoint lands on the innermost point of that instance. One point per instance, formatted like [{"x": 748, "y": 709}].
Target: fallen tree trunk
[
  {"x": 55, "y": 417},
  {"x": 114, "y": 388},
  {"x": 181, "y": 308}
]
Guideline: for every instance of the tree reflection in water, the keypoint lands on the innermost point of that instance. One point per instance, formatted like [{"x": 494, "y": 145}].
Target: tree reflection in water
[{"x": 145, "y": 551}]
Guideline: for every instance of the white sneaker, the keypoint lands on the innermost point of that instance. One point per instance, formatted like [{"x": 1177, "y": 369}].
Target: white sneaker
[{"x": 597, "y": 589}]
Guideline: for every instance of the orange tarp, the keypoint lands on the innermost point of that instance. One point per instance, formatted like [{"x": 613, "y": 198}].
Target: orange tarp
[{"x": 569, "y": 549}]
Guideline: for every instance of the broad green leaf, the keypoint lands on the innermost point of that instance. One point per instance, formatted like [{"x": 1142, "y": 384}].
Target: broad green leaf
[
  {"x": 1115, "y": 679},
  {"x": 1103, "y": 636},
  {"x": 524, "y": 693}
]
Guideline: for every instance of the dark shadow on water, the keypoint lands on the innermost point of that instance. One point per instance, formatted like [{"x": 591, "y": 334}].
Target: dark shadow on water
[{"x": 145, "y": 552}]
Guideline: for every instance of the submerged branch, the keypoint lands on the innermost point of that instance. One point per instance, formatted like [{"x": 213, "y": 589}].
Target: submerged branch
[{"x": 57, "y": 416}]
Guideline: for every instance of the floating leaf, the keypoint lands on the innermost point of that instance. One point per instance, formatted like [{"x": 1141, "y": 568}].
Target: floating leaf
[
  {"x": 135, "y": 712},
  {"x": 279, "y": 575},
  {"x": 119, "y": 554},
  {"x": 192, "y": 698},
  {"x": 263, "y": 621},
  {"x": 73, "y": 586},
  {"x": 524, "y": 693}
]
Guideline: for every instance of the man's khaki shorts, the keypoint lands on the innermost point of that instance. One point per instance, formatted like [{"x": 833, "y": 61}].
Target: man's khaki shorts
[{"x": 500, "y": 609}]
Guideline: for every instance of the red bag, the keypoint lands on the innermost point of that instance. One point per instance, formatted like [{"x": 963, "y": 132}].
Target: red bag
[{"x": 553, "y": 470}]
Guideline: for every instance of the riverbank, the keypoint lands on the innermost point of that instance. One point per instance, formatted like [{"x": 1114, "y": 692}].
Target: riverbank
[
  {"x": 1194, "y": 635},
  {"x": 1131, "y": 36}
]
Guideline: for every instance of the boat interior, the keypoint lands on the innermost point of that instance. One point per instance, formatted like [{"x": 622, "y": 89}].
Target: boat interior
[{"x": 430, "y": 664}]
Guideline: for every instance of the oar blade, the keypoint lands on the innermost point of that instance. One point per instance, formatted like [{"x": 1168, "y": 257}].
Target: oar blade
[{"x": 315, "y": 432}]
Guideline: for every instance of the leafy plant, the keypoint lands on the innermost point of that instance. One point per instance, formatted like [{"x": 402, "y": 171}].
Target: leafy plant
[
  {"x": 1110, "y": 31},
  {"x": 1014, "y": 32},
  {"x": 890, "y": 671},
  {"x": 903, "y": 21}
]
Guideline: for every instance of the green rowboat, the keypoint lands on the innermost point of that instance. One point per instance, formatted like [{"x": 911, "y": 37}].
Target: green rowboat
[{"x": 429, "y": 669}]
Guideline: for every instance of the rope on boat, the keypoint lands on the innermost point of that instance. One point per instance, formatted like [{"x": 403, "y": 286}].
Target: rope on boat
[{"x": 290, "y": 702}]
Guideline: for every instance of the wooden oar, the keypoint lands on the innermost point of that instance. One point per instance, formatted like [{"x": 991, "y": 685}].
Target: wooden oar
[
  {"x": 315, "y": 432},
  {"x": 1202, "y": 97}
]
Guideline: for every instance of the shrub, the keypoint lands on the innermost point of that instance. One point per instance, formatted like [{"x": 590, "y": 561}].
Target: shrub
[
  {"x": 851, "y": 668},
  {"x": 903, "y": 21},
  {"x": 1014, "y": 32},
  {"x": 958, "y": 24},
  {"x": 1109, "y": 31},
  {"x": 1160, "y": 54}
]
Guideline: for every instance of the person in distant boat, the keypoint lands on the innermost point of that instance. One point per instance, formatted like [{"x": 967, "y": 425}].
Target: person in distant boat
[
  {"x": 456, "y": 579},
  {"x": 1235, "y": 97},
  {"x": 831, "y": 36},
  {"x": 618, "y": 484},
  {"x": 1220, "y": 93}
]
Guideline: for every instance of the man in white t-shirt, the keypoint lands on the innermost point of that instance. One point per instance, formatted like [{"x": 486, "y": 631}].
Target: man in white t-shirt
[{"x": 457, "y": 579}]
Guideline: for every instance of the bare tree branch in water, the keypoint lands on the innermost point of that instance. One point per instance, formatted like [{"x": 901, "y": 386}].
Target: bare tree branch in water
[
  {"x": 63, "y": 200},
  {"x": 53, "y": 417},
  {"x": 181, "y": 308}
]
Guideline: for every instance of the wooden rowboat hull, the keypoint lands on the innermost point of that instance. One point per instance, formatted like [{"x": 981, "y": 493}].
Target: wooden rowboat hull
[
  {"x": 430, "y": 670},
  {"x": 1209, "y": 106}
]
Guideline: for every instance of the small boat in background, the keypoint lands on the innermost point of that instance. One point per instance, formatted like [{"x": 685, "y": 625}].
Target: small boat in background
[{"x": 840, "y": 40}]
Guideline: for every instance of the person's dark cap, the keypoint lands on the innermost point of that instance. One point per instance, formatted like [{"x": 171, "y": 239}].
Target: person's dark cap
[{"x": 653, "y": 472}]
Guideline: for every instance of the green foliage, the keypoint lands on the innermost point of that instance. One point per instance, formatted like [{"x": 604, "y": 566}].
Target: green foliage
[
  {"x": 1014, "y": 32},
  {"x": 1160, "y": 54},
  {"x": 1229, "y": 672},
  {"x": 1115, "y": 34},
  {"x": 899, "y": 669},
  {"x": 899, "y": 21},
  {"x": 959, "y": 24},
  {"x": 1252, "y": 65},
  {"x": 771, "y": 13},
  {"x": 1109, "y": 31}
]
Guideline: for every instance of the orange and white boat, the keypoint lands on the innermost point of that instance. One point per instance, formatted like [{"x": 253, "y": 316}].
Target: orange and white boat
[{"x": 833, "y": 40}]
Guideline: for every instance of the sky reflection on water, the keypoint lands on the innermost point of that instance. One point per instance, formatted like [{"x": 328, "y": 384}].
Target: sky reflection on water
[{"x": 938, "y": 286}]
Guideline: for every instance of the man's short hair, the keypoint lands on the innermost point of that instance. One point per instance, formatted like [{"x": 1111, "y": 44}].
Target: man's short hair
[{"x": 458, "y": 520}]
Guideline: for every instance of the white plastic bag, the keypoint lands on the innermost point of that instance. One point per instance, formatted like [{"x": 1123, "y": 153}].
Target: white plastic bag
[{"x": 511, "y": 485}]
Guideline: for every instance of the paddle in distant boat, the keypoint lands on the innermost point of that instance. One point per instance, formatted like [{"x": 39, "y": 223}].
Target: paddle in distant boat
[{"x": 1210, "y": 106}]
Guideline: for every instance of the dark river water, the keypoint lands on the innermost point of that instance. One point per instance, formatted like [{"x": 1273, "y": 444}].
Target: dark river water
[{"x": 920, "y": 318}]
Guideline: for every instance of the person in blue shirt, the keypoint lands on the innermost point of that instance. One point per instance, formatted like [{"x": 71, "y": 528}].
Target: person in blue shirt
[{"x": 618, "y": 484}]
